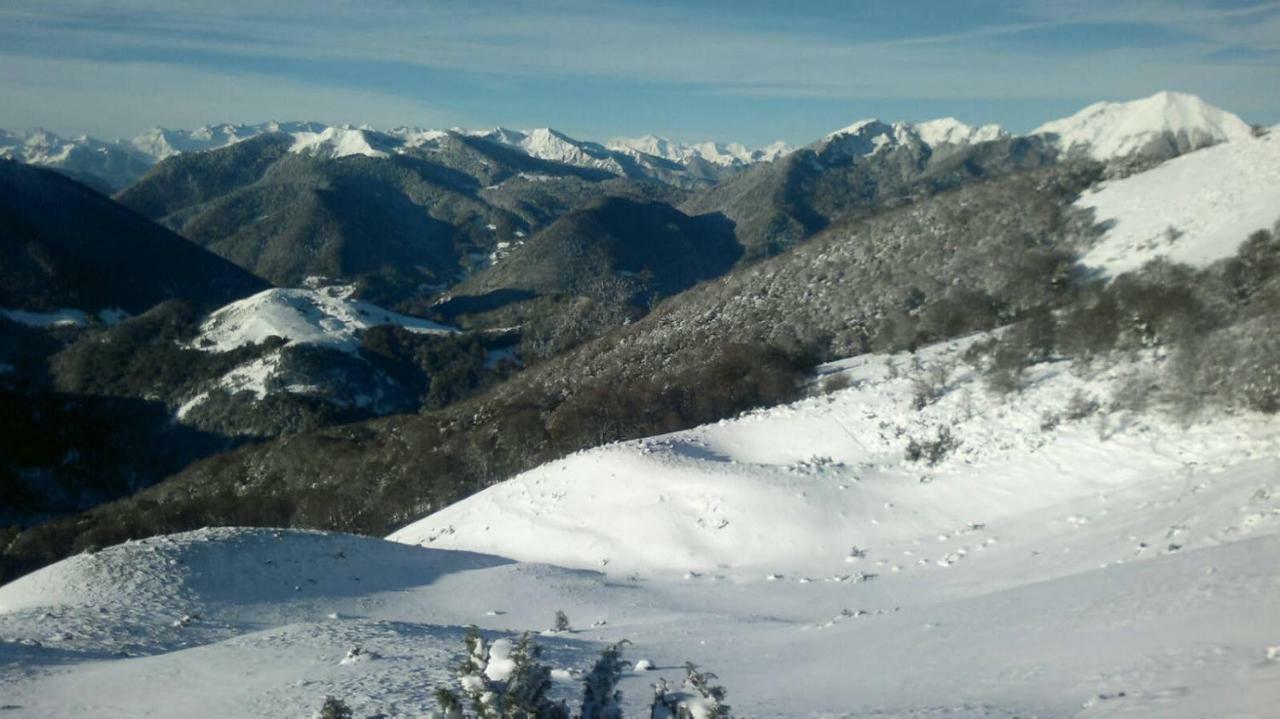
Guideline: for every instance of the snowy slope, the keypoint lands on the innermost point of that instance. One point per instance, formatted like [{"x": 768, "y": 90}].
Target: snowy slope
[
  {"x": 335, "y": 142},
  {"x": 1111, "y": 565},
  {"x": 1193, "y": 209},
  {"x": 1167, "y": 120},
  {"x": 328, "y": 317},
  {"x": 869, "y": 137},
  {"x": 723, "y": 154},
  {"x": 950, "y": 131},
  {"x": 791, "y": 489}
]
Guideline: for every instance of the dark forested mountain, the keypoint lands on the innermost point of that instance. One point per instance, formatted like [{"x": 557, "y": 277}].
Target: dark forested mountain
[
  {"x": 64, "y": 245},
  {"x": 403, "y": 224}
]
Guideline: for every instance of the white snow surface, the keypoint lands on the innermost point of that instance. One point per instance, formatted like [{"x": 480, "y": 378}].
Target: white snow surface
[
  {"x": 724, "y": 154},
  {"x": 335, "y": 142},
  {"x": 1193, "y": 209},
  {"x": 1111, "y": 565},
  {"x": 329, "y": 317},
  {"x": 868, "y": 137},
  {"x": 950, "y": 131},
  {"x": 1111, "y": 130}
]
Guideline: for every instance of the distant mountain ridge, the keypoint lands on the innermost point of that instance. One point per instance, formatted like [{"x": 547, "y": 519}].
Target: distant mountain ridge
[{"x": 1158, "y": 127}]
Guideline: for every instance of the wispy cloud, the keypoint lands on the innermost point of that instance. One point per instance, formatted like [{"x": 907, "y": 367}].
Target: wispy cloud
[{"x": 461, "y": 57}]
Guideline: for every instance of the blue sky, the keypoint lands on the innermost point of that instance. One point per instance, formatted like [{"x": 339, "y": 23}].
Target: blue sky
[{"x": 744, "y": 70}]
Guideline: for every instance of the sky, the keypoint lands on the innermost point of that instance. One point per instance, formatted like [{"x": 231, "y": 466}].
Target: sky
[{"x": 751, "y": 71}]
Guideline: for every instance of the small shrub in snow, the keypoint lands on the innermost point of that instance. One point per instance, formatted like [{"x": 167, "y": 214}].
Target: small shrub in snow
[
  {"x": 930, "y": 385},
  {"x": 835, "y": 383},
  {"x": 933, "y": 450},
  {"x": 1080, "y": 406},
  {"x": 562, "y": 622},
  {"x": 333, "y": 708},
  {"x": 698, "y": 698}
]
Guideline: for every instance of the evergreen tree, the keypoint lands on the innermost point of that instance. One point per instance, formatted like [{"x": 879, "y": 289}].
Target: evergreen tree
[
  {"x": 600, "y": 696},
  {"x": 333, "y": 708}
]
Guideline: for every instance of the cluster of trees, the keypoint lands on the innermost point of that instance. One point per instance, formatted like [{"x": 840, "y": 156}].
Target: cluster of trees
[
  {"x": 1221, "y": 325},
  {"x": 506, "y": 679}
]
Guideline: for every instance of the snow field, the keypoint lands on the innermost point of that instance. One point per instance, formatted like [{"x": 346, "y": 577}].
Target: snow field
[{"x": 1109, "y": 565}]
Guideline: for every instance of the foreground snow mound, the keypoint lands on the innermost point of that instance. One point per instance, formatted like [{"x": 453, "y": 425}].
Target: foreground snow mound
[
  {"x": 1165, "y": 124},
  {"x": 1193, "y": 209},
  {"x": 328, "y": 317},
  {"x": 799, "y": 490},
  {"x": 207, "y": 580},
  {"x": 232, "y": 565}
]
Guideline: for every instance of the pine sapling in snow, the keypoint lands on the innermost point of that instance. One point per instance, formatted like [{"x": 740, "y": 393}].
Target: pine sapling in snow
[
  {"x": 601, "y": 698},
  {"x": 501, "y": 681}
]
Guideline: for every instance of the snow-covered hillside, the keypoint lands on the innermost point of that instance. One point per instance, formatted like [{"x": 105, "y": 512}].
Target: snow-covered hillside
[
  {"x": 1166, "y": 122},
  {"x": 328, "y": 317},
  {"x": 1062, "y": 558},
  {"x": 1193, "y": 209}
]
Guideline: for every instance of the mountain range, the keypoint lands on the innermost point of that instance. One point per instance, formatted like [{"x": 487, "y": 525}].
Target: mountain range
[
  {"x": 556, "y": 272},
  {"x": 932, "y": 389},
  {"x": 1106, "y": 130}
]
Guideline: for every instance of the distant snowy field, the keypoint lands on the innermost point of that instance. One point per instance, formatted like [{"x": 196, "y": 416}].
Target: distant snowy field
[{"x": 1103, "y": 566}]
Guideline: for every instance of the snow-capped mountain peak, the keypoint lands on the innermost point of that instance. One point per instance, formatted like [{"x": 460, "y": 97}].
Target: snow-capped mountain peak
[
  {"x": 723, "y": 154},
  {"x": 950, "y": 131},
  {"x": 1166, "y": 123},
  {"x": 867, "y": 137},
  {"x": 343, "y": 141}
]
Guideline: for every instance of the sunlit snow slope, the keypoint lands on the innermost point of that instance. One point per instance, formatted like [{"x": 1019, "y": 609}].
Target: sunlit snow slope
[
  {"x": 1055, "y": 563},
  {"x": 1193, "y": 209}
]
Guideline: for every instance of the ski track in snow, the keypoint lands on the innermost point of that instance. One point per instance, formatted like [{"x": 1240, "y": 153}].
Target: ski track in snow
[{"x": 1113, "y": 565}]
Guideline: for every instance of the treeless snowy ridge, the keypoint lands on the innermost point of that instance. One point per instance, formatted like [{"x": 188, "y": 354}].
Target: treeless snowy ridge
[{"x": 1193, "y": 209}]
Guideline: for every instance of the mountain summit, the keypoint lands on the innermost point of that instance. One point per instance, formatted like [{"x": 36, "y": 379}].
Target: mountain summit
[{"x": 1161, "y": 126}]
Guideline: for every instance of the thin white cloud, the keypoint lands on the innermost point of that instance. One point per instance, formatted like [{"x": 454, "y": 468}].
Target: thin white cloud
[
  {"x": 633, "y": 43},
  {"x": 80, "y": 97}
]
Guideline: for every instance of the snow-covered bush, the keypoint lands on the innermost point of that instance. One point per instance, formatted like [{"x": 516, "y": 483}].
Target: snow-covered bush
[
  {"x": 333, "y": 708},
  {"x": 698, "y": 698},
  {"x": 933, "y": 450},
  {"x": 562, "y": 622},
  {"x": 504, "y": 680}
]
